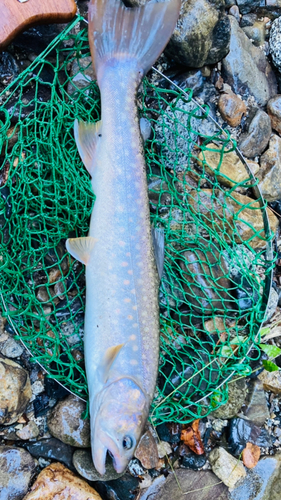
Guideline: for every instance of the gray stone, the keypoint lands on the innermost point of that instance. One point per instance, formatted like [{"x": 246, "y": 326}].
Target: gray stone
[
  {"x": 274, "y": 111},
  {"x": 270, "y": 170},
  {"x": 234, "y": 11},
  {"x": 226, "y": 467},
  {"x": 65, "y": 422},
  {"x": 246, "y": 68},
  {"x": 237, "y": 392},
  {"x": 254, "y": 142},
  {"x": 256, "y": 408},
  {"x": 196, "y": 485},
  {"x": 83, "y": 463},
  {"x": 246, "y": 6},
  {"x": 15, "y": 391},
  {"x": 52, "y": 449},
  {"x": 272, "y": 303},
  {"x": 11, "y": 348},
  {"x": 256, "y": 33},
  {"x": 261, "y": 483},
  {"x": 17, "y": 468},
  {"x": 202, "y": 34},
  {"x": 275, "y": 43}
]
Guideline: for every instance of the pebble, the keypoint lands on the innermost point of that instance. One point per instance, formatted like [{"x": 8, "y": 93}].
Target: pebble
[
  {"x": 123, "y": 488},
  {"x": 81, "y": 75},
  {"x": 232, "y": 109},
  {"x": 246, "y": 6},
  {"x": 65, "y": 422},
  {"x": 202, "y": 34},
  {"x": 51, "y": 449},
  {"x": 15, "y": 391},
  {"x": 272, "y": 304},
  {"x": 146, "y": 451},
  {"x": 56, "y": 482},
  {"x": 243, "y": 431},
  {"x": 11, "y": 348},
  {"x": 275, "y": 43},
  {"x": 234, "y": 11},
  {"x": 256, "y": 33},
  {"x": 261, "y": 483},
  {"x": 164, "y": 449},
  {"x": 270, "y": 170},
  {"x": 226, "y": 467},
  {"x": 29, "y": 431},
  {"x": 236, "y": 396},
  {"x": 17, "y": 468},
  {"x": 83, "y": 463},
  {"x": 271, "y": 381},
  {"x": 193, "y": 461},
  {"x": 37, "y": 387},
  {"x": 256, "y": 408},
  {"x": 169, "y": 432},
  {"x": 254, "y": 142},
  {"x": 246, "y": 68},
  {"x": 229, "y": 170},
  {"x": 274, "y": 111}
]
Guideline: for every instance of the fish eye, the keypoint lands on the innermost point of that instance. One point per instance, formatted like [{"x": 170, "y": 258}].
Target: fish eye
[{"x": 127, "y": 442}]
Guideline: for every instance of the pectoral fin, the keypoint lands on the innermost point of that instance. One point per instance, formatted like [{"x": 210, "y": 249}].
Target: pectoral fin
[
  {"x": 80, "y": 248},
  {"x": 158, "y": 239},
  {"x": 107, "y": 362},
  {"x": 87, "y": 136}
]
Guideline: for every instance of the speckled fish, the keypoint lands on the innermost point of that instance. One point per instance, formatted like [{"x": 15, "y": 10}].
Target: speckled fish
[{"x": 122, "y": 316}]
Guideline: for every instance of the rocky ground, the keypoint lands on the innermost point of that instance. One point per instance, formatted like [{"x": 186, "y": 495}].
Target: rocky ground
[{"x": 229, "y": 53}]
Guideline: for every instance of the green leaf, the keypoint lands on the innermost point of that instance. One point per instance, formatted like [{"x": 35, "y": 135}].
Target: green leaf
[
  {"x": 271, "y": 350},
  {"x": 264, "y": 331},
  {"x": 269, "y": 366},
  {"x": 226, "y": 351}
]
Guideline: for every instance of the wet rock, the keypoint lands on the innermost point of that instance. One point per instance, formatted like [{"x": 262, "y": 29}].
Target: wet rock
[
  {"x": 192, "y": 79},
  {"x": 226, "y": 467},
  {"x": 271, "y": 381},
  {"x": 245, "y": 293},
  {"x": 41, "y": 404},
  {"x": 169, "y": 432},
  {"x": 213, "y": 210},
  {"x": 228, "y": 167},
  {"x": 146, "y": 451},
  {"x": 124, "y": 488},
  {"x": 11, "y": 348},
  {"x": 9, "y": 69},
  {"x": 193, "y": 461},
  {"x": 261, "y": 483},
  {"x": 65, "y": 422},
  {"x": 236, "y": 396},
  {"x": 82, "y": 74},
  {"x": 51, "y": 449},
  {"x": 243, "y": 431},
  {"x": 83, "y": 463},
  {"x": 270, "y": 170},
  {"x": 204, "y": 485},
  {"x": 274, "y": 111},
  {"x": 29, "y": 431},
  {"x": 256, "y": 408},
  {"x": 57, "y": 482},
  {"x": 246, "y": 68},
  {"x": 206, "y": 291},
  {"x": 272, "y": 303},
  {"x": 15, "y": 391},
  {"x": 202, "y": 34},
  {"x": 246, "y": 6},
  {"x": 256, "y": 33},
  {"x": 17, "y": 468},
  {"x": 275, "y": 43},
  {"x": 254, "y": 142},
  {"x": 232, "y": 108},
  {"x": 54, "y": 389}
]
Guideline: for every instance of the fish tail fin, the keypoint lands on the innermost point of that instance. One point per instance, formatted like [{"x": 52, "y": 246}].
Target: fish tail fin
[{"x": 120, "y": 33}]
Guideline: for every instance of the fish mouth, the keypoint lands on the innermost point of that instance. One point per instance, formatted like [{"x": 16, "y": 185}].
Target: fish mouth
[{"x": 100, "y": 453}]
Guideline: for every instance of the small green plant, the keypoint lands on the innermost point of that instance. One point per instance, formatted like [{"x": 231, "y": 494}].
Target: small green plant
[{"x": 272, "y": 351}]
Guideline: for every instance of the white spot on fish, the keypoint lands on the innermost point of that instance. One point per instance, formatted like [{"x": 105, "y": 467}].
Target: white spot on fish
[
  {"x": 135, "y": 348},
  {"x": 127, "y": 300},
  {"x": 126, "y": 282},
  {"x": 133, "y": 337},
  {"x": 133, "y": 362},
  {"x": 124, "y": 264}
]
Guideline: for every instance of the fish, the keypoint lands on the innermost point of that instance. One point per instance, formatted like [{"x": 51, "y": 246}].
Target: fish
[{"x": 121, "y": 332}]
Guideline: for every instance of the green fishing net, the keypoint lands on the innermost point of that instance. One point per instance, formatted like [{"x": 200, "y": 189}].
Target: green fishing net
[{"x": 218, "y": 261}]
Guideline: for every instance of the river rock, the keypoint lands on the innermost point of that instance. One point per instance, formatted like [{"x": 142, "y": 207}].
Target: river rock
[
  {"x": 256, "y": 33},
  {"x": 82, "y": 74},
  {"x": 254, "y": 142},
  {"x": 11, "y": 348},
  {"x": 51, "y": 449},
  {"x": 270, "y": 170},
  {"x": 15, "y": 391},
  {"x": 243, "y": 431},
  {"x": 123, "y": 488},
  {"x": 275, "y": 42},
  {"x": 17, "y": 468},
  {"x": 227, "y": 165},
  {"x": 246, "y": 68},
  {"x": 170, "y": 432},
  {"x": 29, "y": 431},
  {"x": 261, "y": 483},
  {"x": 256, "y": 405},
  {"x": 202, "y": 485},
  {"x": 232, "y": 108},
  {"x": 56, "y": 482},
  {"x": 271, "y": 381},
  {"x": 65, "y": 422},
  {"x": 234, "y": 11},
  {"x": 237, "y": 392},
  {"x": 272, "y": 303},
  {"x": 226, "y": 467},
  {"x": 213, "y": 210},
  {"x": 202, "y": 34},
  {"x": 246, "y": 6},
  {"x": 274, "y": 111},
  {"x": 146, "y": 451},
  {"x": 83, "y": 463}
]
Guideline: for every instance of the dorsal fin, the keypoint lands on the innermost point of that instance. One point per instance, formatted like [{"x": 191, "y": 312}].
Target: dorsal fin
[
  {"x": 87, "y": 136},
  {"x": 80, "y": 248}
]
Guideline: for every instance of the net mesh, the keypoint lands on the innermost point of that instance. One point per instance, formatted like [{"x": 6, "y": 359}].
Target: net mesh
[{"x": 214, "y": 289}]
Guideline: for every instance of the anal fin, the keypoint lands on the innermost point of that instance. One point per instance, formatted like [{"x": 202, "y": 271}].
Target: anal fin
[
  {"x": 87, "y": 136},
  {"x": 80, "y": 248}
]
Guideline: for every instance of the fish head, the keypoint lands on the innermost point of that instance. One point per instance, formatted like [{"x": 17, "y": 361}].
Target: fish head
[{"x": 118, "y": 423}]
